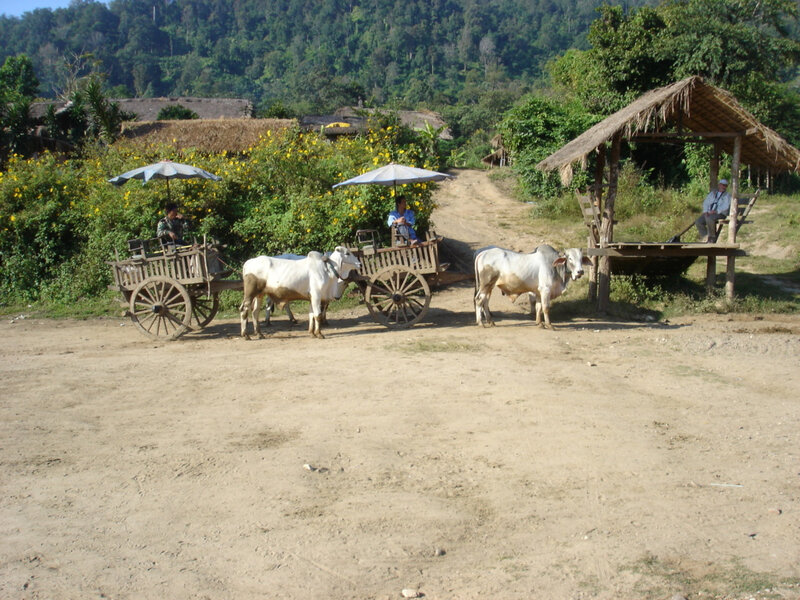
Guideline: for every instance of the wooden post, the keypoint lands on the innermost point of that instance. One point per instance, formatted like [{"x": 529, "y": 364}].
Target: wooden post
[
  {"x": 713, "y": 171},
  {"x": 597, "y": 198},
  {"x": 711, "y": 273},
  {"x": 713, "y": 175},
  {"x": 607, "y": 226},
  {"x": 730, "y": 276}
]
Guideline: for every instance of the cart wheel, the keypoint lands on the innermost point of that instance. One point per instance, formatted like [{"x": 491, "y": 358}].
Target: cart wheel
[
  {"x": 397, "y": 297},
  {"x": 204, "y": 309},
  {"x": 161, "y": 308}
]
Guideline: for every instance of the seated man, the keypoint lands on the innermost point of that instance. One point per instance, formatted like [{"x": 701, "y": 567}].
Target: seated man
[
  {"x": 716, "y": 206},
  {"x": 403, "y": 219},
  {"x": 170, "y": 228}
]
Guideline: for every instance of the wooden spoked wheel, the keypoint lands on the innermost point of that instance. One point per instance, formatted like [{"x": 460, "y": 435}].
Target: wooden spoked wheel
[
  {"x": 204, "y": 309},
  {"x": 161, "y": 308},
  {"x": 397, "y": 297}
]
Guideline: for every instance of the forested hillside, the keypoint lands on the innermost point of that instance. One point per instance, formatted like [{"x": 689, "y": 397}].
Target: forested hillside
[{"x": 310, "y": 54}]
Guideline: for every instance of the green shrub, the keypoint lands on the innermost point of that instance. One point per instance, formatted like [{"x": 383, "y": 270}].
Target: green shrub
[
  {"x": 535, "y": 128},
  {"x": 176, "y": 112},
  {"x": 61, "y": 220}
]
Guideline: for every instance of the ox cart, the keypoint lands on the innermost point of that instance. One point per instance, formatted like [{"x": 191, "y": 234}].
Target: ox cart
[
  {"x": 395, "y": 281},
  {"x": 168, "y": 290}
]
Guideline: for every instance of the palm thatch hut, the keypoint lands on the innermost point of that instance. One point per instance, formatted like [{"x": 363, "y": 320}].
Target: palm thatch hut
[
  {"x": 689, "y": 110},
  {"x": 206, "y": 135}
]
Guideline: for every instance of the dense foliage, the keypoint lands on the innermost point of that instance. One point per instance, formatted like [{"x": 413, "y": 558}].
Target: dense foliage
[
  {"x": 60, "y": 220},
  {"x": 534, "y": 129},
  {"x": 313, "y": 54},
  {"x": 747, "y": 47},
  {"x": 742, "y": 46}
]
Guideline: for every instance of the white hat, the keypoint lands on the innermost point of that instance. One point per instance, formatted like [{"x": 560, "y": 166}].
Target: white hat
[{"x": 723, "y": 181}]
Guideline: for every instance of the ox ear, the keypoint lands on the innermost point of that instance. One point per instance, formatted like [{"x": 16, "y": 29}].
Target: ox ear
[
  {"x": 586, "y": 261},
  {"x": 559, "y": 261}
]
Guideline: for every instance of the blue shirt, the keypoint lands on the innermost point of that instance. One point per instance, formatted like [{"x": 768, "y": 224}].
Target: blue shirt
[
  {"x": 717, "y": 201},
  {"x": 409, "y": 215}
]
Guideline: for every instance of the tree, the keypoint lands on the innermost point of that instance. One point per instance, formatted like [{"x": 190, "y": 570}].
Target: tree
[
  {"x": 536, "y": 127},
  {"x": 17, "y": 79}
]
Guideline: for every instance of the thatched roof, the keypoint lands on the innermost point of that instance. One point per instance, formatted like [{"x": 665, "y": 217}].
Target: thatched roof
[
  {"x": 210, "y": 135},
  {"x": 415, "y": 119},
  {"x": 688, "y": 109},
  {"x": 147, "y": 109},
  {"x": 333, "y": 125}
]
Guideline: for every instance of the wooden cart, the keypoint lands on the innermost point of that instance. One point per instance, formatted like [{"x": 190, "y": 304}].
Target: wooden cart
[
  {"x": 396, "y": 280},
  {"x": 170, "y": 290}
]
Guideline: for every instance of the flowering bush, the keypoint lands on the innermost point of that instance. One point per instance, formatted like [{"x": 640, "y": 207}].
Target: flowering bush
[{"x": 60, "y": 220}]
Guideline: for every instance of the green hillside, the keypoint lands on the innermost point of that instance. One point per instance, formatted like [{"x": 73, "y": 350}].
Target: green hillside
[{"x": 312, "y": 55}]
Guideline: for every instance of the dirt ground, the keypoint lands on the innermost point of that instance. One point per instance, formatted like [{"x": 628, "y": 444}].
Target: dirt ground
[{"x": 605, "y": 459}]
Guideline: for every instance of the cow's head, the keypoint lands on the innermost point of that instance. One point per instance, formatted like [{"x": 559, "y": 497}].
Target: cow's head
[
  {"x": 345, "y": 261},
  {"x": 574, "y": 260}
]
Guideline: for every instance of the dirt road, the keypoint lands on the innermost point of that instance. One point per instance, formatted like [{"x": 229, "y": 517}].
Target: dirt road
[{"x": 602, "y": 460}]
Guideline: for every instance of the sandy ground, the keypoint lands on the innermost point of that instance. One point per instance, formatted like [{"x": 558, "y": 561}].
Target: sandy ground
[{"x": 605, "y": 459}]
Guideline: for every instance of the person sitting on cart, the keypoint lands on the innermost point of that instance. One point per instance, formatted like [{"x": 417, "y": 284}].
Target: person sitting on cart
[
  {"x": 170, "y": 228},
  {"x": 403, "y": 220}
]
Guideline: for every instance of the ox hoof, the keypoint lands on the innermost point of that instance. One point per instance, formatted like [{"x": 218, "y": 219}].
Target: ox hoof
[{"x": 245, "y": 336}]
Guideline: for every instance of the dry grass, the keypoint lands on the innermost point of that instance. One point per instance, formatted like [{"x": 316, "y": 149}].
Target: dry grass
[{"x": 208, "y": 135}]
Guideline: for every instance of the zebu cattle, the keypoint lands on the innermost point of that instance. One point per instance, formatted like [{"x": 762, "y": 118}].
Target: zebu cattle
[
  {"x": 316, "y": 278},
  {"x": 542, "y": 273}
]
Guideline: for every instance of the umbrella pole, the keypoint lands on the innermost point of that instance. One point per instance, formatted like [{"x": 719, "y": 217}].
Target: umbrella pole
[{"x": 169, "y": 197}]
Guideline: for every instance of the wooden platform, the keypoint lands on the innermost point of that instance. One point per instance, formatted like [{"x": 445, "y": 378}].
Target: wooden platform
[
  {"x": 660, "y": 259},
  {"x": 664, "y": 259},
  {"x": 665, "y": 249}
]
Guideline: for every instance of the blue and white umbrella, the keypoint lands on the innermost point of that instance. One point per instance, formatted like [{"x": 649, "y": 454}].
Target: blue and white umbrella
[
  {"x": 394, "y": 174},
  {"x": 166, "y": 169}
]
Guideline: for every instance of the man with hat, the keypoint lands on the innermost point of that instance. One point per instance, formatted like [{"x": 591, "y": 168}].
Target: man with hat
[{"x": 716, "y": 206}]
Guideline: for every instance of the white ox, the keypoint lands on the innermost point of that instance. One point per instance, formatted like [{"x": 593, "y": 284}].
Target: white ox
[
  {"x": 542, "y": 273},
  {"x": 316, "y": 278}
]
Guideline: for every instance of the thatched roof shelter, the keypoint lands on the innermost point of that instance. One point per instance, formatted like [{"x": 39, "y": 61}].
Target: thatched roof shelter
[
  {"x": 687, "y": 110},
  {"x": 334, "y": 125},
  {"x": 147, "y": 109},
  {"x": 414, "y": 119},
  {"x": 210, "y": 135},
  {"x": 690, "y": 110}
]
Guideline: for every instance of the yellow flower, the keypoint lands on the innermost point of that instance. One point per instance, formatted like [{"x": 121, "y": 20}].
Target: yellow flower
[{"x": 13, "y": 218}]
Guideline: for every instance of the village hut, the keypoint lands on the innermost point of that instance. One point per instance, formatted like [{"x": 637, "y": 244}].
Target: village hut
[
  {"x": 689, "y": 110},
  {"x": 499, "y": 154},
  {"x": 147, "y": 109},
  {"x": 417, "y": 120},
  {"x": 206, "y": 135},
  {"x": 334, "y": 125}
]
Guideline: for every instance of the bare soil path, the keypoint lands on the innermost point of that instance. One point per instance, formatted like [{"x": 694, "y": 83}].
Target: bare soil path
[{"x": 602, "y": 460}]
